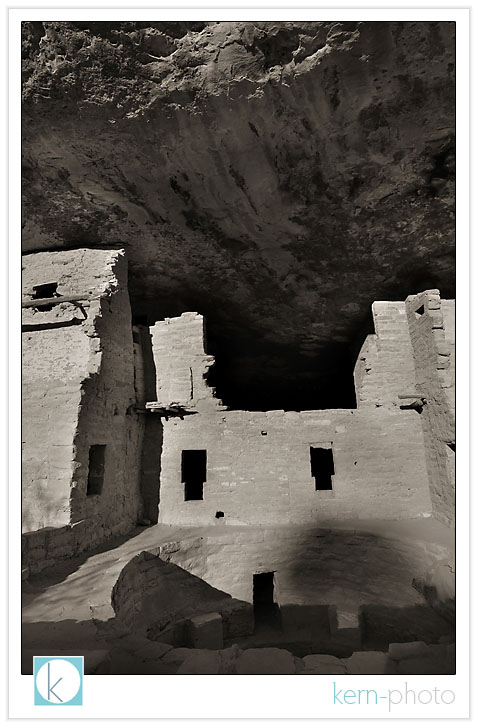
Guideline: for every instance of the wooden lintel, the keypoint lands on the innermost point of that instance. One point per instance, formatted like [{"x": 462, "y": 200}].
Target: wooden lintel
[{"x": 38, "y": 302}]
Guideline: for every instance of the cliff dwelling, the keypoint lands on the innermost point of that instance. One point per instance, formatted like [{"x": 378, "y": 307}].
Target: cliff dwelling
[{"x": 238, "y": 339}]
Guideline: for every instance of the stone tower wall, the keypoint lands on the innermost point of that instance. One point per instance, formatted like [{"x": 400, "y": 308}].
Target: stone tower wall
[
  {"x": 258, "y": 463},
  {"x": 78, "y": 390},
  {"x": 432, "y": 332}
]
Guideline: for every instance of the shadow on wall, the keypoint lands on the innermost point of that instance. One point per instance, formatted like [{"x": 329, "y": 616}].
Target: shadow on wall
[
  {"x": 159, "y": 599},
  {"x": 158, "y": 603},
  {"x": 153, "y": 429},
  {"x": 151, "y": 467}
]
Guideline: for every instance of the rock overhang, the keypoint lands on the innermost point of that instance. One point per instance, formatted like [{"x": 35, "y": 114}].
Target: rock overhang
[{"x": 277, "y": 177}]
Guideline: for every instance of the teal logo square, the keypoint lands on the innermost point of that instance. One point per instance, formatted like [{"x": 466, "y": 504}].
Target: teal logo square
[{"x": 58, "y": 681}]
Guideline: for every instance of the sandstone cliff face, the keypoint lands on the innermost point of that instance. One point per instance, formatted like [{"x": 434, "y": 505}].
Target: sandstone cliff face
[{"x": 276, "y": 177}]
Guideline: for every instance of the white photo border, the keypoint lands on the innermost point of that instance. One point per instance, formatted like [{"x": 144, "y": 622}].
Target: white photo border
[{"x": 245, "y": 697}]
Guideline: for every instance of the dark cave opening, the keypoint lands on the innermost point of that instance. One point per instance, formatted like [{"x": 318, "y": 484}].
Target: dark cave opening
[
  {"x": 254, "y": 372},
  {"x": 256, "y": 375}
]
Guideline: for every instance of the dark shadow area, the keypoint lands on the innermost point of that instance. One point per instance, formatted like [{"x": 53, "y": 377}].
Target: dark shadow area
[
  {"x": 308, "y": 629},
  {"x": 306, "y": 367},
  {"x": 266, "y": 610},
  {"x": 285, "y": 363},
  {"x": 151, "y": 466},
  {"x": 111, "y": 648},
  {"x": 255, "y": 374},
  {"x": 155, "y": 600},
  {"x": 381, "y": 625},
  {"x": 153, "y": 428}
]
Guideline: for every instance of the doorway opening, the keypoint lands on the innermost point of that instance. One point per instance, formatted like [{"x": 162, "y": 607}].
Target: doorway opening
[{"x": 266, "y": 610}]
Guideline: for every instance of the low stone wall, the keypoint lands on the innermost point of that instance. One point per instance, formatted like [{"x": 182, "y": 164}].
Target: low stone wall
[
  {"x": 45, "y": 548},
  {"x": 401, "y": 658},
  {"x": 356, "y": 588},
  {"x": 161, "y": 598}
]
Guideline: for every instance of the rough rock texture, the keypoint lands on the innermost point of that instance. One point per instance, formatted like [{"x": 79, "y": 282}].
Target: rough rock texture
[{"x": 277, "y": 177}]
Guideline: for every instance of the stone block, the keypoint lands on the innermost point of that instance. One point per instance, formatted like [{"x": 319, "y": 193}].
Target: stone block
[
  {"x": 153, "y": 650},
  {"x": 205, "y": 631},
  {"x": 201, "y": 662},
  {"x": 238, "y": 621},
  {"x": 266, "y": 661},
  {"x": 408, "y": 650},
  {"x": 177, "y": 656},
  {"x": 323, "y": 664},
  {"x": 425, "y": 665},
  {"x": 369, "y": 662}
]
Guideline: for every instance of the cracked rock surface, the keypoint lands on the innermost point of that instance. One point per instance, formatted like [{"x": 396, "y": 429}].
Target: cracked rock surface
[{"x": 276, "y": 177}]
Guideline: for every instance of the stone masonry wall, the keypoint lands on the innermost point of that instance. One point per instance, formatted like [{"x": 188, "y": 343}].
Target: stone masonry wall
[
  {"x": 385, "y": 369},
  {"x": 181, "y": 363},
  {"x": 258, "y": 463},
  {"x": 259, "y": 471},
  {"x": 78, "y": 388},
  {"x": 432, "y": 331}
]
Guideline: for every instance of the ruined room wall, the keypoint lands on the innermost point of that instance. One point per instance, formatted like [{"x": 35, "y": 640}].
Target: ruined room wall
[
  {"x": 108, "y": 416},
  {"x": 346, "y": 569},
  {"x": 181, "y": 362},
  {"x": 258, "y": 463},
  {"x": 432, "y": 336},
  {"x": 258, "y": 466},
  {"x": 78, "y": 387},
  {"x": 384, "y": 369},
  {"x": 55, "y": 355},
  {"x": 449, "y": 374}
]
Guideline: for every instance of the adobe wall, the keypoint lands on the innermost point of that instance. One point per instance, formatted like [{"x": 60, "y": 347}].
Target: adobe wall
[
  {"x": 258, "y": 463},
  {"x": 259, "y": 472},
  {"x": 347, "y": 570},
  {"x": 78, "y": 389},
  {"x": 181, "y": 362},
  {"x": 391, "y": 454},
  {"x": 385, "y": 368},
  {"x": 432, "y": 330}
]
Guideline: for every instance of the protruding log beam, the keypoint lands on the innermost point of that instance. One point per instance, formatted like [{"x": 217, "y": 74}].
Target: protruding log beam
[{"x": 37, "y": 302}]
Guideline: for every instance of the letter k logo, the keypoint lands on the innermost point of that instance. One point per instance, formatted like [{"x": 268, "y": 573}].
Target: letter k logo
[
  {"x": 58, "y": 680},
  {"x": 51, "y": 688}
]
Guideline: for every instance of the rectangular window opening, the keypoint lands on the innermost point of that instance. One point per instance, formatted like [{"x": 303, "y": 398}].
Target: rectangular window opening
[
  {"x": 96, "y": 469},
  {"x": 322, "y": 467},
  {"x": 46, "y": 290},
  {"x": 193, "y": 473}
]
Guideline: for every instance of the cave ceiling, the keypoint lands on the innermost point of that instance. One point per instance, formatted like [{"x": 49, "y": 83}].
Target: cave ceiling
[{"x": 276, "y": 177}]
